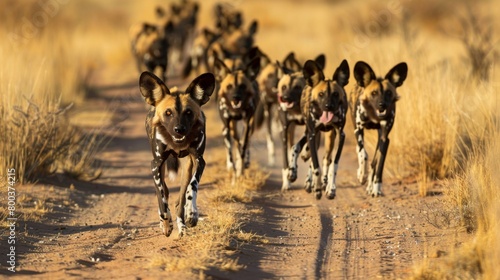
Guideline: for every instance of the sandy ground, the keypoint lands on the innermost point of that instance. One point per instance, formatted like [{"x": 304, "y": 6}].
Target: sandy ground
[{"x": 110, "y": 229}]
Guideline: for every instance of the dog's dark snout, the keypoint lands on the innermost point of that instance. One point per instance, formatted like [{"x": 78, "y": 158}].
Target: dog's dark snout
[
  {"x": 328, "y": 106},
  {"x": 180, "y": 129}
]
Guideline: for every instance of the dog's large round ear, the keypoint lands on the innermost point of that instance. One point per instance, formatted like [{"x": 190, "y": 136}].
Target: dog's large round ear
[
  {"x": 290, "y": 62},
  {"x": 363, "y": 73},
  {"x": 341, "y": 75},
  {"x": 252, "y": 29},
  {"x": 321, "y": 61},
  {"x": 152, "y": 88},
  {"x": 220, "y": 69},
  {"x": 312, "y": 73},
  {"x": 397, "y": 75},
  {"x": 282, "y": 70},
  {"x": 202, "y": 88}
]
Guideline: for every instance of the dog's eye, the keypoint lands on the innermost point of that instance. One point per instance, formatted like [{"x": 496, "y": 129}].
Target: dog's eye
[
  {"x": 283, "y": 88},
  {"x": 229, "y": 87},
  {"x": 188, "y": 112},
  {"x": 168, "y": 113},
  {"x": 374, "y": 93},
  {"x": 335, "y": 93},
  {"x": 321, "y": 94}
]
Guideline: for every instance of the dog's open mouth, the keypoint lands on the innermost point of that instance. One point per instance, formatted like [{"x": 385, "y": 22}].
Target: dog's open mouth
[
  {"x": 284, "y": 104},
  {"x": 178, "y": 139},
  {"x": 381, "y": 113},
  {"x": 236, "y": 104},
  {"x": 326, "y": 117}
]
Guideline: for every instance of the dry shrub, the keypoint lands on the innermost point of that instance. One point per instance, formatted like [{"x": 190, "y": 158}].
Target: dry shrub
[
  {"x": 43, "y": 72},
  {"x": 479, "y": 43},
  {"x": 475, "y": 193}
]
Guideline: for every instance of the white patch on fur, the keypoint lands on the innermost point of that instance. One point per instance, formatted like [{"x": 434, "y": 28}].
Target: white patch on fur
[
  {"x": 202, "y": 140},
  {"x": 270, "y": 148},
  {"x": 190, "y": 208},
  {"x": 157, "y": 181},
  {"x": 181, "y": 226},
  {"x": 160, "y": 137},
  {"x": 362, "y": 164},
  {"x": 157, "y": 93},
  {"x": 198, "y": 92},
  {"x": 172, "y": 175},
  {"x": 286, "y": 182}
]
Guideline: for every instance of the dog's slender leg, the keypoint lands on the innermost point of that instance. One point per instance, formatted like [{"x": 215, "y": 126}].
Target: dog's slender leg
[
  {"x": 238, "y": 163},
  {"x": 181, "y": 201},
  {"x": 377, "y": 166},
  {"x": 295, "y": 151},
  {"x": 229, "y": 147},
  {"x": 316, "y": 179},
  {"x": 284, "y": 140},
  {"x": 245, "y": 152},
  {"x": 190, "y": 208},
  {"x": 162, "y": 194},
  {"x": 269, "y": 133},
  {"x": 332, "y": 170},
  {"x": 287, "y": 139},
  {"x": 309, "y": 177},
  {"x": 362, "y": 155},
  {"x": 327, "y": 183},
  {"x": 327, "y": 158}
]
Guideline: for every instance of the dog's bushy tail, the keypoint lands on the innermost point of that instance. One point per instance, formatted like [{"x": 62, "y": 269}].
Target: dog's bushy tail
[{"x": 172, "y": 167}]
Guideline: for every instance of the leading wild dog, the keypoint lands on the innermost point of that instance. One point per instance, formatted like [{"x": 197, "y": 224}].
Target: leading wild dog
[
  {"x": 175, "y": 125},
  {"x": 238, "y": 97},
  {"x": 290, "y": 87},
  {"x": 373, "y": 106},
  {"x": 324, "y": 106}
]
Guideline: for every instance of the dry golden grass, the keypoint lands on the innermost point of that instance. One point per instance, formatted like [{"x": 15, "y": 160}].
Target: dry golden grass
[
  {"x": 475, "y": 193},
  {"x": 45, "y": 70}
]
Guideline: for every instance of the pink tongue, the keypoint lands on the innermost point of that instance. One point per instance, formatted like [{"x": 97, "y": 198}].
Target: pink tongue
[{"x": 326, "y": 117}]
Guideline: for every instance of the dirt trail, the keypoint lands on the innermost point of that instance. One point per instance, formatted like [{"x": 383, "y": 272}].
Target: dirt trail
[{"x": 112, "y": 230}]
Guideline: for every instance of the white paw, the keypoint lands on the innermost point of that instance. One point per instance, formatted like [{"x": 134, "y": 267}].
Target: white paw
[
  {"x": 166, "y": 224},
  {"x": 286, "y": 182},
  {"x": 374, "y": 189},
  {"x": 181, "y": 227},
  {"x": 331, "y": 191}
]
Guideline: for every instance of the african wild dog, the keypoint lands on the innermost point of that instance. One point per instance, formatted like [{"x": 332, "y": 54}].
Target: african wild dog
[
  {"x": 232, "y": 45},
  {"x": 175, "y": 126},
  {"x": 150, "y": 47},
  {"x": 183, "y": 16},
  {"x": 198, "y": 56},
  {"x": 227, "y": 18},
  {"x": 324, "y": 106},
  {"x": 373, "y": 106},
  {"x": 238, "y": 97},
  {"x": 290, "y": 87},
  {"x": 267, "y": 81}
]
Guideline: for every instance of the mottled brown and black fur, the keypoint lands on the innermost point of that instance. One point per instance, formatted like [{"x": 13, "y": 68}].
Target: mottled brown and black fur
[
  {"x": 175, "y": 126},
  {"x": 150, "y": 47},
  {"x": 373, "y": 106},
  {"x": 238, "y": 97},
  {"x": 290, "y": 87},
  {"x": 324, "y": 107}
]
